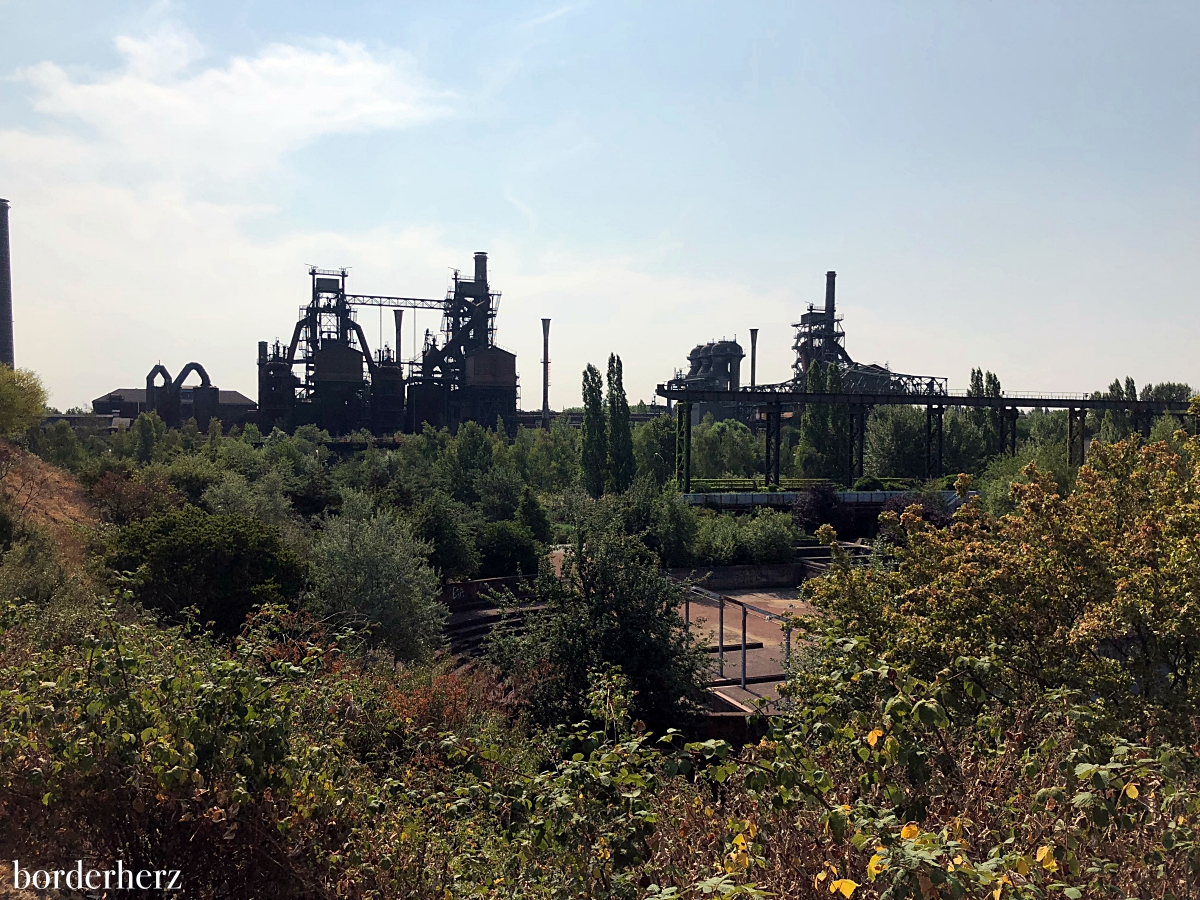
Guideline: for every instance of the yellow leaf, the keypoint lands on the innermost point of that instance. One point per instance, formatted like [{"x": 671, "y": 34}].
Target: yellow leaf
[
  {"x": 753, "y": 830},
  {"x": 845, "y": 885},
  {"x": 873, "y": 737},
  {"x": 909, "y": 831},
  {"x": 740, "y": 841},
  {"x": 821, "y": 876},
  {"x": 875, "y": 865},
  {"x": 996, "y": 893},
  {"x": 1023, "y": 866},
  {"x": 1131, "y": 791},
  {"x": 1042, "y": 851}
]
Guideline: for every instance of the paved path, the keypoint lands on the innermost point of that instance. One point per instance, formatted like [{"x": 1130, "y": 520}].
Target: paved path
[{"x": 767, "y": 660}]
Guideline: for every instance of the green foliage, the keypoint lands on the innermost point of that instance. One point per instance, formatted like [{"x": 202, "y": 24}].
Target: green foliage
[
  {"x": 223, "y": 565},
  {"x": 467, "y": 458},
  {"x": 723, "y": 449},
  {"x": 612, "y": 607},
  {"x": 673, "y": 530},
  {"x": 894, "y": 445},
  {"x": 22, "y": 400},
  {"x": 507, "y": 548},
  {"x": 654, "y": 449},
  {"x": 371, "y": 572},
  {"x": 58, "y": 445},
  {"x": 446, "y": 526},
  {"x": 532, "y": 515},
  {"x": 553, "y": 459},
  {"x": 824, "y": 442},
  {"x": 500, "y": 493},
  {"x": 593, "y": 461},
  {"x": 762, "y": 538},
  {"x": 263, "y": 499},
  {"x": 621, "y": 464}
]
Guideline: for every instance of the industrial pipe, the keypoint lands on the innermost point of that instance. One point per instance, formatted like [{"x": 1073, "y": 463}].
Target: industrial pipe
[
  {"x": 545, "y": 374},
  {"x": 366, "y": 348},
  {"x": 187, "y": 370},
  {"x": 753, "y": 354},
  {"x": 829, "y": 302},
  {"x": 6, "y": 313}
]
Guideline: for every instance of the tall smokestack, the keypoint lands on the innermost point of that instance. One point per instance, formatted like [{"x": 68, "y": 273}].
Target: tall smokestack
[
  {"x": 481, "y": 268},
  {"x": 6, "y": 318},
  {"x": 545, "y": 374},
  {"x": 399, "y": 313},
  {"x": 829, "y": 303},
  {"x": 753, "y": 354}
]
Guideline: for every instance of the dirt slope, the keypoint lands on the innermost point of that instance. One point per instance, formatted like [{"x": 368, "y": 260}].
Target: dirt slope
[{"x": 44, "y": 495}]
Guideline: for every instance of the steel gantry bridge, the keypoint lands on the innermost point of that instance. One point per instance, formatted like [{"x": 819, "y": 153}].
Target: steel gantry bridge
[{"x": 769, "y": 402}]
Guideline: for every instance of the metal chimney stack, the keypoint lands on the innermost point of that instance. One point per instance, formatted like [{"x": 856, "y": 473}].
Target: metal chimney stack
[
  {"x": 399, "y": 313},
  {"x": 753, "y": 354},
  {"x": 829, "y": 302},
  {"x": 6, "y": 314},
  {"x": 545, "y": 374},
  {"x": 481, "y": 268}
]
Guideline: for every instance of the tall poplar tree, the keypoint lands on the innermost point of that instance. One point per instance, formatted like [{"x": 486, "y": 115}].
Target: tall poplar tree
[
  {"x": 621, "y": 465},
  {"x": 593, "y": 450}
]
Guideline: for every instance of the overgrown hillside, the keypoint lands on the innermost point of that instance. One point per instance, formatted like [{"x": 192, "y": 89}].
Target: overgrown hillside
[{"x": 234, "y": 669}]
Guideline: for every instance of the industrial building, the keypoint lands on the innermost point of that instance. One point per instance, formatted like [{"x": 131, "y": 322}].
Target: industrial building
[
  {"x": 175, "y": 402},
  {"x": 460, "y": 374},
  {"x": 715, "y": 366},
  {"x": 820, "y": 340}
]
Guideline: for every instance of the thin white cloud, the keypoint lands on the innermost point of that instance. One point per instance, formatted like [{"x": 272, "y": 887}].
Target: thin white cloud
[
  {"x": 551, "y": 16},
  {"x": 236, "y": 120}
]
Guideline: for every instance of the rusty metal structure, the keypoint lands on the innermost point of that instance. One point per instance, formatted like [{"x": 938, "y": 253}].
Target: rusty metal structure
[
  {"x": 715, "y": 366},
  {"x": 460, "y": 373},
  {"x": 820, "y": 339}
]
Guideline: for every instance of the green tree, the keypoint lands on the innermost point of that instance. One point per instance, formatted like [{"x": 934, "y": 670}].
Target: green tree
[
  {"x": 553, "y": 463},
  {"x": 621, "y": 465},
  {"x": 894, "y": 445},
  {"x": 725, "y": 448},
  {"x": 654, "y": 449},
  {"x": 221, "y": 565},
  {"x": 532, "y": 515},
  {"x": 22, "y": 400},
  {"x": 446, "y": 526},
  {"x": 507, "y": 548},
  {"x": 58, "y": 445},
  {"x": 611, "y": 607},
  {"x": 149, "y": 432},
  {"x": 372, "y": 571},
  {"x": 822, "y": 449},
  {"x": 593, "y": 461},
  {"x": 467, "y": 457}
]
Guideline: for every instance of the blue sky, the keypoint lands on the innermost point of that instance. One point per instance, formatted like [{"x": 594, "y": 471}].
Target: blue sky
[{"x": 1010, "y": 185}]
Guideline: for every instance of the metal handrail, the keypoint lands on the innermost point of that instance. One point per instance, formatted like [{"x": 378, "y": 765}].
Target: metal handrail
[{"x": 721, "y": 600}]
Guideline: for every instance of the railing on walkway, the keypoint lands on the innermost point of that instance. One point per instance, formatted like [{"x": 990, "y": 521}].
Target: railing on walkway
[{"x": 710, "y": 598}]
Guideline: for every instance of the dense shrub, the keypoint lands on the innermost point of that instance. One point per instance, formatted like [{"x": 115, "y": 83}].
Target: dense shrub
[
  {"x": 22, "y": 400},
  {"x": 221, "y": 565},
  {"x": 506, "y": 548},
  {"x": 121, "y": 500},
  {"x": 611, "y": 607},
  {"x": 371, "y": 572},
  {"x": 446, "y": 526},
  {"x": 762, "y": 538}
]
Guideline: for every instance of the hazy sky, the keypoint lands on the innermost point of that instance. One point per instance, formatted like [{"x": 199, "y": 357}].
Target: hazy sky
[{"x": 1003, "y": 184}]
